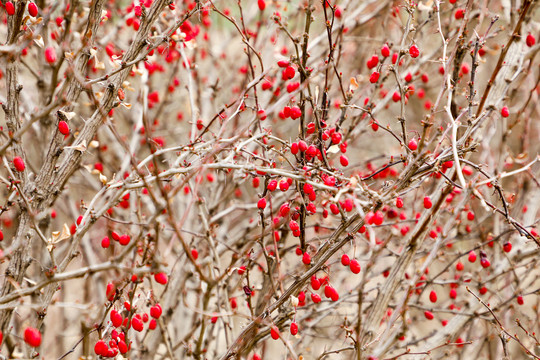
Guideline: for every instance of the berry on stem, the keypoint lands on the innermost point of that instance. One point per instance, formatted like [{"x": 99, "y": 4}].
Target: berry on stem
[
  {"x": 10, "y": 8},
  {"x": 18, "y": 163},
  {"x": 50, "y": 55},
  {"x": 530, "y": 40},
  {"x": 414, "y": 51},
  {"x": 274, "y": 333},
  {"x": 32, "y": 9},
  {"x": 413, "y": 144},
  {"x": 32, "y": 337},
  {"x": 427, "y": 202},
  {"x": 63, "y": 128},
  {"x": 161, "y": 278}
]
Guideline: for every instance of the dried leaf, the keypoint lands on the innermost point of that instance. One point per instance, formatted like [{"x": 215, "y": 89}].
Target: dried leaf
[
  {"x": 39, "y": 41},
  {"x": 103, "y": 179},
  {"x": 67, "y": 115},
  {"x": 81, "y": 147},
  {"x": 191, "y": 44},
  {"x": 353, "y": 85},
  {"x": 69, "y": 55},
  {"x": 334, "y": 149},
  {"x": 99, "y": 65},
  {"x": 57, "y": 236}
]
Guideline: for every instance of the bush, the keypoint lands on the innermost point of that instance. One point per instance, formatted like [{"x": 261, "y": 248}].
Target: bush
[{"x": 261, "y": 179}]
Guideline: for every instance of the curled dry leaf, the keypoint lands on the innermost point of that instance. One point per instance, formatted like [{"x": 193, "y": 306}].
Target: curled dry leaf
[
  {"x": 334, "y": 149},
  {"x": 103, "y": 179},
  {"x": 353, "y": 84},
  {"x": 69, "y": 55},
  {"x": 39, "y": 41},
  {"x": 67, "y": 115},
  {"x": 81, "y": 147},
  {"x": 57, "y": 236}
]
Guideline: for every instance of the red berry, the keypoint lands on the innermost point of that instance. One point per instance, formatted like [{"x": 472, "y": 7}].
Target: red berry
[
  {"x": 288, "y": 73},
  {"x": 306, "y": 258},
  {"x": 261, "y": 204},
  {"x": 295, "y": 112},
  {"x": 316, "y": 298},
  {"x": 483, "y": 290},
  {"x": 428, "y": 315},
  {"x": 520, "y": 300},
  {"x": 399, "y": 203},
  {"x": 111, "y": 291},
  {"x": 116, "y": 318},
  {"x": 374, "y": 77},
  {"x": 194, "y": 254},
  {"x": 50, "y": 55},
  {"x": 315, "y": 283},
  {"x": 396, "y": 97},
  {"x": 261, "y": 4},
  {"x": 414, "y": 51},
  {"x": 484, "y": 262},
  {"x": 124, "y": 239},
  {"x": 408, "y": 77},
  {"x": 32, "y": 9},
  {"x": 283, "y": 63},
  {"x": 161, "y": 278},
  {"x": 345, "y": 261},
  {"x": 459, "y": 14},
  {"x": 155, "y": 311},
  {"x": 470, "y": 216},
  {"x": 507, "y": 247},
  {"x": 10, "y": 8},
  {"x": 460, "y": 266},
  {"x": 505, "y": 112},
  {"x": 453, "y": 293},
  {"x": 32, "y": 337},
  {"x": 427, "y": 202},
  {"x": 122, "y": 347},
  {"x": 101, "y": 348},
  {"x": 530, "y": 40},
  {"x": 105, "y": 242},
  {"x": 433, "y": 296},
  {"x": 354, "y": 266},
  {"x": 274, "y": 333},
  {"x": 18, "y": 162},
  {"x": 137, "y": 324},
  {"x": 472, "y": 256},
  {"x": 63, "y": 128},
  {"x": 373, "y": 62},
  {"x": 413, "y": 145},
  {"x": 385, "y": 51},
  {"x": 294, "y": 328}
]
